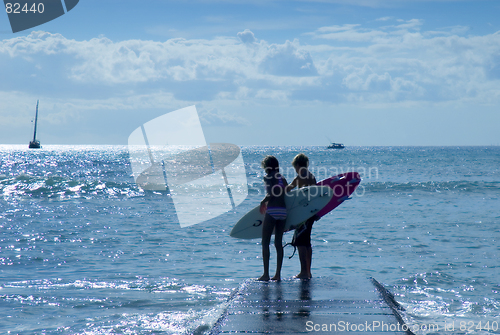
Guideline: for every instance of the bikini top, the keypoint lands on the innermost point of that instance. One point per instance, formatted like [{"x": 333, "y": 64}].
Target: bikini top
[{"x": 270, "y": 184}]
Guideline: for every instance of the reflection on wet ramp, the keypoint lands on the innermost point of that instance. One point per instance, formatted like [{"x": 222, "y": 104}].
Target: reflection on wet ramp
[{"x": 296, "y": 306}]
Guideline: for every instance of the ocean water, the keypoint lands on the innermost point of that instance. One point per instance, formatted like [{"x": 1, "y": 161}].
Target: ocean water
[{"x": 84, "y": 251}]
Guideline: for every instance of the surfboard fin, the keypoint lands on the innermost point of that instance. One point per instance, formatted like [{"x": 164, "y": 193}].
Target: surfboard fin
[
  {"x": 344, "y": 199},
  {"x": 354, "y": 181}
]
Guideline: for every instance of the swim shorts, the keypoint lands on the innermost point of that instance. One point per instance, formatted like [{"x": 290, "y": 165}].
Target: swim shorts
[{"x": 302, "y": 235}]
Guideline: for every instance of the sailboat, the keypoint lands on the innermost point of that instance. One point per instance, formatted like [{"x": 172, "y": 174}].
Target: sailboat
[{"x": 35, "y": 144}]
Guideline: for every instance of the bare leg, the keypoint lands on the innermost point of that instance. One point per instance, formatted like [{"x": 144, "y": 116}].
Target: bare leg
[
  {"x": 305, "y": 251},
  {"x": 309, "y": 260},
  {"x": 267, "y": 231},
  {"x": 304, "y": 263},
  {"x": 278, "y": 244}
]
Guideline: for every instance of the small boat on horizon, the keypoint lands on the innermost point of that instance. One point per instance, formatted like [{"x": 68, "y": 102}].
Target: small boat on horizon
[
  {"x": 35, "y": 144},
  {"x": 336, "y": 146}
]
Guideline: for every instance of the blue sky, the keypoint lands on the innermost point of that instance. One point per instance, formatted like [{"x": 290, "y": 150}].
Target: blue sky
[{"x": 361, "y": 72}]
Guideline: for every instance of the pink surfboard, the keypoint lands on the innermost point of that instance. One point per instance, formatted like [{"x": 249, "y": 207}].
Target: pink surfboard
[{"x": 343, "y": 186}]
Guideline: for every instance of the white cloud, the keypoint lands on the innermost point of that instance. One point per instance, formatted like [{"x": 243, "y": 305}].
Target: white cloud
[
  {"x": 247, "y": 37},
  {"x": 388, "y": 64},
  {"x": 216, "y": 117},
  {"x": 103, "y": 61},
  {"x": 411, "y": 24},
  {"x": 401, "y": 62},
  {"x": 380, "y": 3},
  {"x": 447, "y": 31},
  {"x": 334, "y": 29},
  {"x": 347, "y": 33},
  {"x": 288, "y": 60},
  {"x": 276, "y": 95}
]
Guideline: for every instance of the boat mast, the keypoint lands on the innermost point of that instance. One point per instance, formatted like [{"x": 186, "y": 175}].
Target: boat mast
[{"x": 36, "y": 120}]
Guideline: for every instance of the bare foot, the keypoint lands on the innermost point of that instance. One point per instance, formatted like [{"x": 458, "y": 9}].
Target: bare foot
[
  {"x": 276, "y": 277},
  {"x": 264, "y": 278},
  {"x": 302, "y": 276}
]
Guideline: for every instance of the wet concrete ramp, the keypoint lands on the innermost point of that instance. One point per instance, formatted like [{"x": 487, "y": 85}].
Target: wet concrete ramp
[{"x": 320, "y": 305}]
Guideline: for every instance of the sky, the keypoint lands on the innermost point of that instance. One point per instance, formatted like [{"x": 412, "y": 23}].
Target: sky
[{"x": 274, "y": 72}]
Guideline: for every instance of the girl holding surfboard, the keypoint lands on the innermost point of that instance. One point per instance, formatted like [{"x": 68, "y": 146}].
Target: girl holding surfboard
[{"x": 273, "y": 205}]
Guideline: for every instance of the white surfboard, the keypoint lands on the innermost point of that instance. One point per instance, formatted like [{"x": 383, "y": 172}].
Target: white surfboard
[{"x": 301, "y": 204}]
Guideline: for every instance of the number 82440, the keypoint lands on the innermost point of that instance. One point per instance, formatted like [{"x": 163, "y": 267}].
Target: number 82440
[{"x": 16, "y": 8}]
